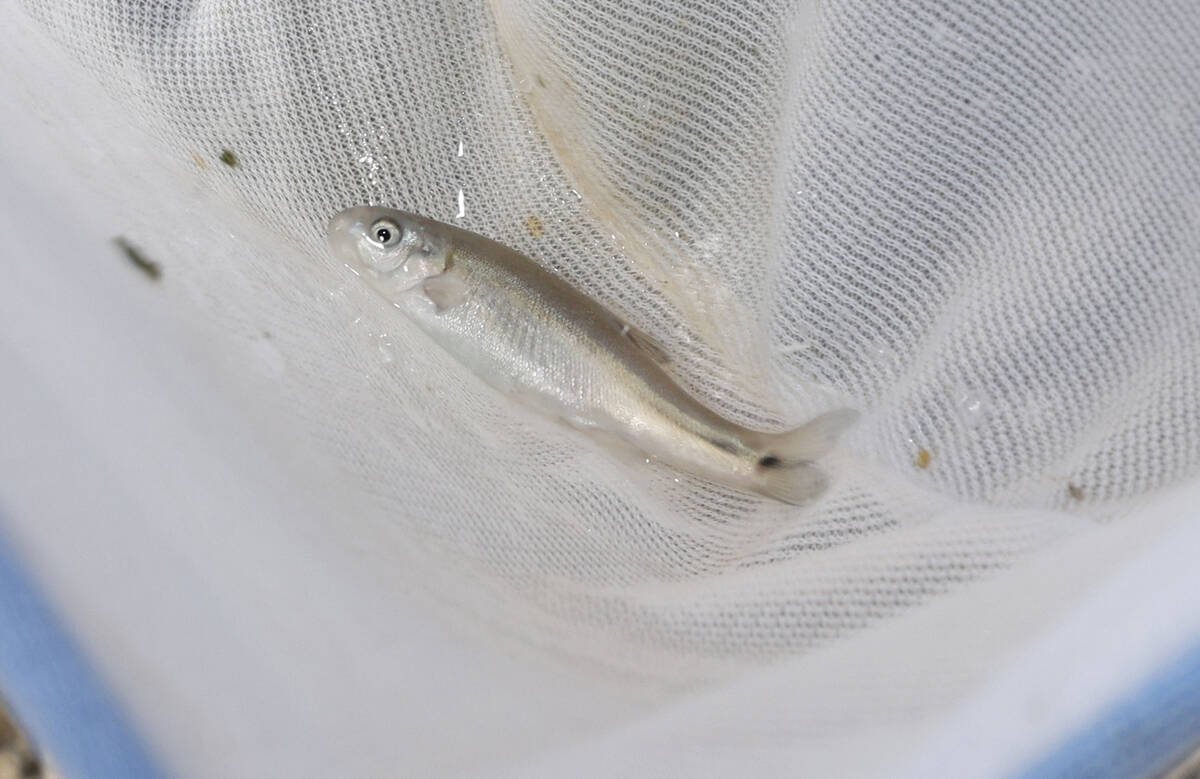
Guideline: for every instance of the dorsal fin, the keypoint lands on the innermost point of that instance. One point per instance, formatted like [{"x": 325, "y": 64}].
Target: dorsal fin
[{"x": 645, "y": 342}]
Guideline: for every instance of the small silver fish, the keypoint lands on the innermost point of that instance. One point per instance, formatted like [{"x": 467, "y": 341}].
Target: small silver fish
[{"x": 528, "y": 333}]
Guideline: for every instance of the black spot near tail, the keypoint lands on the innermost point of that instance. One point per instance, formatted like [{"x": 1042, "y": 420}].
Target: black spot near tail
[{"x": 770, "y": 461}]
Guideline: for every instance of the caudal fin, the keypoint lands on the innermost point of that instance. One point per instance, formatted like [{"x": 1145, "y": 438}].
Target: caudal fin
[
  {"x": 808, "y": 443},
  {"x": 797, "y": 485},
  {"x": 786, "y": 466}
]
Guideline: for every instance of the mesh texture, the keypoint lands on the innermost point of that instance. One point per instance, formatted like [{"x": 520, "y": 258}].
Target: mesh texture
[{"x": 978, "y": 224}]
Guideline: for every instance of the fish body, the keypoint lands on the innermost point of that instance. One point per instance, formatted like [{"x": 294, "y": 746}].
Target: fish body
[{"x": 530, "y": 334}]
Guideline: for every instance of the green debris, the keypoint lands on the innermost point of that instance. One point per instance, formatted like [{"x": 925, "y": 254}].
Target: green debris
[
  {"x": 230, "y": 159},
  {"x": 140, "y": 261}
]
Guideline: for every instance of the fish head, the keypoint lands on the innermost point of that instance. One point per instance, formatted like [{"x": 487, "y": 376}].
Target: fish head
[{"x": 394, "y": 251}]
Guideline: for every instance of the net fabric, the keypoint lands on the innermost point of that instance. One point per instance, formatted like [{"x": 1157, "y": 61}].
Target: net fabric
[
  {"x": 933, "y": 212},
  {"x": 978, "y": 225}
]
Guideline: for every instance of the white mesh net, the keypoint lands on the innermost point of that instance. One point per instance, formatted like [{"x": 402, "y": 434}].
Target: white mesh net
[{"x": 976, "y": 223}]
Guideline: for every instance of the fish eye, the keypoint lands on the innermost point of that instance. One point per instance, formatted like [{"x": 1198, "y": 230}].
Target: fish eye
[{"x": 385, "y": 232}]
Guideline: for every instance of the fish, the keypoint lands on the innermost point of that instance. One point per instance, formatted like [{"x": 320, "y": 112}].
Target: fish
[{"x": 531, "y": 335}]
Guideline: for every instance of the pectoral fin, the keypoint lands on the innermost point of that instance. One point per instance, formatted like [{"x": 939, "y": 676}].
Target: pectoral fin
[{"x": 445, "y": 290}]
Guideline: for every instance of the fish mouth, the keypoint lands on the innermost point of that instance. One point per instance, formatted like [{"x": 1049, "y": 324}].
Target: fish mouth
[{"x": 345, "y": 233}]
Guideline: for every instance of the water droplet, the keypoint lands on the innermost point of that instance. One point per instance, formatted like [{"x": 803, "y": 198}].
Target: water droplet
[
  {"x": 973, "y": 407},
  {"x": 462, "y": 207},
  {"x": 460, "y": 148},
  {"x": 385, "y": 348},
  {"x": 883, "y": 355}
]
